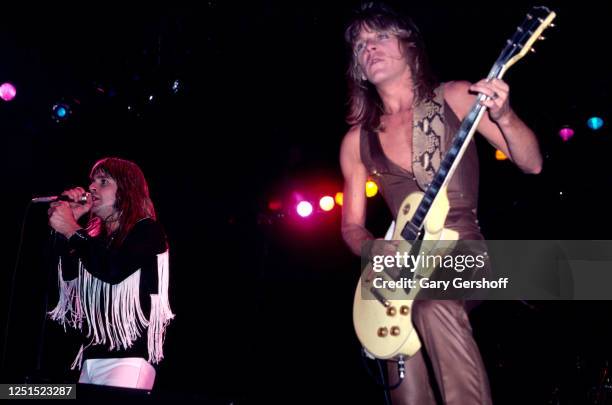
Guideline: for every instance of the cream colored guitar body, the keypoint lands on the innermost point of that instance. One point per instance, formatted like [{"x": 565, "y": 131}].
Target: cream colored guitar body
[{"x": 382, "y": 321}]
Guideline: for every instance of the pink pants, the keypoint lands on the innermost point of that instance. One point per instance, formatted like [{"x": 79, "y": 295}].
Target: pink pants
[
  {"x": 129, "y": 372},
  {"x": 446, "y": 336}
]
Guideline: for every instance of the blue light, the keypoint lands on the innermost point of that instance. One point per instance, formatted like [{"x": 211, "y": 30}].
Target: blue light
[
  {"x": 61, "y": 112},
  {"x": 595, "y": 123}
]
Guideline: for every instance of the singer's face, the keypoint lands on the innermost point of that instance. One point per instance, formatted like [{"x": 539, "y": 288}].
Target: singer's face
[{"x": 103, "y": 190}]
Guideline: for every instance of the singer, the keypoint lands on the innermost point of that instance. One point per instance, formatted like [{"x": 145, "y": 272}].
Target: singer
[{"x": 113, "y": 276}]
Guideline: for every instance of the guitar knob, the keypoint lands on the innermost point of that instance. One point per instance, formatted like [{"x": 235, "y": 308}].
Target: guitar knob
[
  {"x": 395, "y": 331},
  {"x": 382, "y": 332},
  {"x": 404, "y": 310},
  {"x": 391, "y": 311}
]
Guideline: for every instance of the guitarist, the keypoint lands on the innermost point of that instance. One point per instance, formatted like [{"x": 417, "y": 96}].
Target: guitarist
[{"x": 392, "y": 94}]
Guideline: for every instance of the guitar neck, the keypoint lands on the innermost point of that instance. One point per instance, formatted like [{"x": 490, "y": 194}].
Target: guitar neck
[{"x": 449, "y": 164}]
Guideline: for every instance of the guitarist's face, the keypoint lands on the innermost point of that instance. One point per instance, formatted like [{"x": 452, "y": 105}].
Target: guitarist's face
[{"x": 380, "y": 56}]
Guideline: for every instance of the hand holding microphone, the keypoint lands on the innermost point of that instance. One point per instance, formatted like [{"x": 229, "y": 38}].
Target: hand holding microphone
[
  {"x": 78, "y": 199},
  {"x": 63, "y": 215},
  {"x": 67, "y": 195}
]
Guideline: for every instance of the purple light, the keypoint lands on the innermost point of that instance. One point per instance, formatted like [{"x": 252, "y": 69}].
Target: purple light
[
  {"x": 304, "y": 209},
  {"x": 7, "y": 91},
  {"x": 566, "y": 133}
]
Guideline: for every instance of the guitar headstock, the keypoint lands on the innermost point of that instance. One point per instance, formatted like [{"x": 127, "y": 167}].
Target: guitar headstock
[{"x": 536, "y": 21}]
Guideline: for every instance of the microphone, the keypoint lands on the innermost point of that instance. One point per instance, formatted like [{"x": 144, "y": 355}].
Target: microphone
[{"x": 52, "y": 198}]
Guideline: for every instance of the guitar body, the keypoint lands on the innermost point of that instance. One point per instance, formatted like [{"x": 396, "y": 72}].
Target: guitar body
[{"x": 384, "y": 327}]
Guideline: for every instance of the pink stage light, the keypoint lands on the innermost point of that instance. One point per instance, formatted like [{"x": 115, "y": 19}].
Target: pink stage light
[
  {"x": 566, "y": 133},
  {"x": 7, "y": 91},
  {"x": 304, "y": 209}
]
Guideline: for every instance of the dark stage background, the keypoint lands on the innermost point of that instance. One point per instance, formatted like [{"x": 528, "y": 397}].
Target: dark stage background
[{"x": 263, "y": 300}]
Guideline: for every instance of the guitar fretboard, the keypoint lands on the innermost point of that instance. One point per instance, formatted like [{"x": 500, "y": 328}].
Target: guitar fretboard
[
  {"x": 412, "y": 229},
  {"x": 516, "y": 47}
]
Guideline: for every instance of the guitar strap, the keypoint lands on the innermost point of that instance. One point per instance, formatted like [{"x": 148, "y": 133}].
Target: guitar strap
[{"x": 427, "y": 138}]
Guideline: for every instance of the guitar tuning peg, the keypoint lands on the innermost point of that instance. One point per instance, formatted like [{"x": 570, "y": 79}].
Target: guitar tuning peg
[
  {"x": 532, "y": 50},
  {"x": 551, "y": 25},
  {"x": 541, "y": 38}
]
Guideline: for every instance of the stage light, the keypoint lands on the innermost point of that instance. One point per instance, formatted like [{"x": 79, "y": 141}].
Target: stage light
[
  {"x": 566, "y": 133},
  {"x": 176, "y": 86},
  {"x": 339, "y": 198},
  {"x": 327, "y": 203},
  {"x": 371, "y": 188},
  {"x": 595, "y": 123},
  {"x": 61, "y": 112},
  {"x": 499, "y": 155},
  {"x": 304, "y": 209},
  {"x": 7, "y": 91}
]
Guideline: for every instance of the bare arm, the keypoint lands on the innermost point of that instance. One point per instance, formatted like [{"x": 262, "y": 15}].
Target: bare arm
[
  {"x": 501, "y": 126},
  {"x": 354, "y": 205}
]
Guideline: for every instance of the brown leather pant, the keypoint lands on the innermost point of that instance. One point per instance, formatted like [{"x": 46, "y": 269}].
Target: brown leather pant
[{"x": 446, "y": 336}]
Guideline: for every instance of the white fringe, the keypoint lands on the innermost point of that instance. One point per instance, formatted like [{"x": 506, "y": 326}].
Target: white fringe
[
  {"x": 68, "y": 310},
  {"x": 112, "y": 312},
  {"x": 161, "y": 314},
  {"x": 78, "y": 361}
]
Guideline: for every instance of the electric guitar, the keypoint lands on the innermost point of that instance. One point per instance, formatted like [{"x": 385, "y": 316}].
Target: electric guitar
[{"x": 381, "y": 316}]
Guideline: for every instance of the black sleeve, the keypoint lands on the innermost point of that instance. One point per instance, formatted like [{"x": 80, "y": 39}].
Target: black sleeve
[
  {"x": 60, "y": 250},
  {"x": 113, "y": 265},
  {"x": 70, "y": 267}
]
